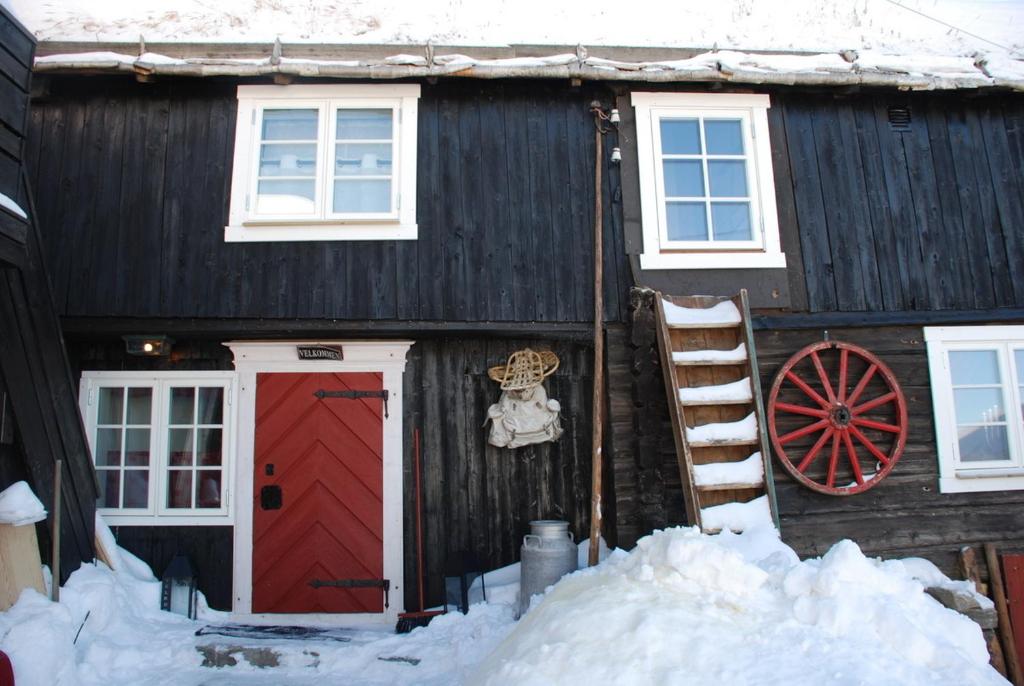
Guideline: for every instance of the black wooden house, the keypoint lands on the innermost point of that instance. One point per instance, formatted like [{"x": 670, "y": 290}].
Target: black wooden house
[{"x": 420, "y": 221}]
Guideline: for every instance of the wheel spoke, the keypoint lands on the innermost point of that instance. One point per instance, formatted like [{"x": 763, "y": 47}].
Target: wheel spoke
[
  {"x": 800, "y": 433},
  {"x": 862, "y": 384},
  {"x": 823, "y": 376},
  {"x": 844, "y": 355},
  {"x": 833, "y": 462},
  {"x": 811, "y": 393},
  {"x": 872, "y": 404},
  {"x": 872, "y": 448},
  {"x": 880, "y": 426},
  {"x": 852, "y": 454},
  {"x": 801, "y": 409},
  {"x": 814, "y": 451}
]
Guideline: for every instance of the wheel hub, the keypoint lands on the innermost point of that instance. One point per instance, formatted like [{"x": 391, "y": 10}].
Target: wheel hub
[{"x": 841, "y": 416}]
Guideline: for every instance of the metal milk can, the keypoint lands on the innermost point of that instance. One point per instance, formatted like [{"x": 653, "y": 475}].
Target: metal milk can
[{"x": 548, "y": 554}]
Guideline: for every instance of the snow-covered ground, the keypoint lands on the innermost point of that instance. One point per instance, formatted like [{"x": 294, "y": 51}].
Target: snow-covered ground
[
  {"x": 895, "y": 26},
  {"x": 681, "y": 608}
]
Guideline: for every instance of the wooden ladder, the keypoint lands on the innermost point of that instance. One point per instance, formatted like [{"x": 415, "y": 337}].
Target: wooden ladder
[{"x": 714, "y": 395}]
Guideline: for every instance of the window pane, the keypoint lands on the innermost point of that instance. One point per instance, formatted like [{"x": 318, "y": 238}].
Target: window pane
[
  {"x": 179, "y": 488},
  {"x": 362, "y": 196},
  {"x": 731, "y": 221},
  {"x": 290, "y": 125},
  {"x": 684, "y": 178},
  {"x": 362, "y": 159},
  {"x": 727, "y": 178},
  {"x": 108, "y": 447},
  {"x": 974, "y": 367},
  {"x": 724, "y": 136},
  {"x": 208, "y": 446},
  {"x": 687, "y": 221},
  {"x": 680, "y": 137},
  {"x": 182, "y": 405},
  {"x": 110, "y": 487},
  {"x": 1019, "y": 355},
  {"x": 136, "y": 488},
  {"x": 140, "y": 405},
  {"x": 979, "y": 405},
  {"x": 211, "y": 405},
  {"x": 288, "y": 159},
  {"x": 978, "y": 443},
  {"x": 361, "y": 125},
  {"x": 208, "y": 487},
  {"x": 136, "y": 448},
  {"x": 111, "y": 406},
  {"x": 179, "y": 447},
  {"x": 294, "y": 196}
]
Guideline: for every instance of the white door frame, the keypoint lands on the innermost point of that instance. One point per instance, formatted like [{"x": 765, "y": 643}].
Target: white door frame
[{"x": 256, "y": 357}]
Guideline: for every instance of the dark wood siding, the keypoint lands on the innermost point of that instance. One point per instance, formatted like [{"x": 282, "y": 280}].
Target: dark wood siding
[
  {"x": 136, "y": 180},
  {"x": 38, "y": 407},
  {"x": 903, "y": 515},
  {"x": 928, "y": 218},
  {"x": 476, "y": 497}
]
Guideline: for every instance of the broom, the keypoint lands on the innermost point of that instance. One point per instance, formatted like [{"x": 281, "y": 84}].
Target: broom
[{"x": 407, "y": 621}]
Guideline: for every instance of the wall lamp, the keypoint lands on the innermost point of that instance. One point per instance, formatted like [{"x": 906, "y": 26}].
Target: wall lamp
[{"x": 151, "y": 346}]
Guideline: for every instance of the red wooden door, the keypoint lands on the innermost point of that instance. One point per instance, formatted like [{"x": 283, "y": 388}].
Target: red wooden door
[{"x": 326, "y": 521}]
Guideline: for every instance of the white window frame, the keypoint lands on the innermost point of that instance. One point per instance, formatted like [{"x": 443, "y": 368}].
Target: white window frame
[
  {"x": 244, "y": 225},
  {"x": 157, "y": 514},
  {"x": 967, "y": 477},
  {"x": 765, "y": 250}
]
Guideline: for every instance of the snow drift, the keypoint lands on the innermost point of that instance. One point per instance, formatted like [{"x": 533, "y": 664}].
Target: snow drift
[{"x": 685, "y": 608}]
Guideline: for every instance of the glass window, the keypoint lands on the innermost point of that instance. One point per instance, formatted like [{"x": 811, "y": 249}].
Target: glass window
[
  {"x": 977, "y": 388},
  {"x": 160, "y": 449},
  {"x": 707, "y": 196}
]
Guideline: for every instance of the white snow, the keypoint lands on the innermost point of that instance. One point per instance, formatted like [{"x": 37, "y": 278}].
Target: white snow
[
  {"x": 737, "y": 391},
  {"x": 20, "y": 506},
  {"x": 737, "y": 354},
  {"x": 682, "y": 607},
  {"x": 804, "y": 25},
  {"x": 724, "y": 312},
  {"x": 737, "y": 516},
  {"x": 742, "y": 430},
  {"x": 747, "y": 471},
  {"x": 685, "y": 608},
  {"x": 9, "y": 204}
]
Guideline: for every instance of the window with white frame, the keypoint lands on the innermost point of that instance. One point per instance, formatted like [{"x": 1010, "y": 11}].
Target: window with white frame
[
  {"x": 161, "y": 445},
  {"x": 324, "y": 162},
  {"x": 977, "y": 376},
  {"x": 707, "y": 194}
]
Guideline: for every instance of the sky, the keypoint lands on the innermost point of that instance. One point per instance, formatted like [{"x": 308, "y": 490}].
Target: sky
[{"x": 890, "y": 26}]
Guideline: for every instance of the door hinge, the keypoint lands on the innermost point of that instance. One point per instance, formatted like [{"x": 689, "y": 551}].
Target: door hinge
[
  {"x": 231, "y": 394},
  {"x": 355, "y": 394},
  {"x": 90, "y": 395},
  {"x": 383, "y": 584}
]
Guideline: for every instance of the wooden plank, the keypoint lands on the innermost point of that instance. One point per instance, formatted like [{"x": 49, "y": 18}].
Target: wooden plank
[
  {"x": 17, "y": 39},
  {"x": 540, "y": 200},
  {"x": 807, "y": 193},
  {"x": 785, "y": 202},
  {"x": 1013, "y": 571},
  {"x": 524, "y": 267},
  {"x": 1009, "y": 193},
  {"x": 20, "y": 567},
  {"x": 1005, "y": 627}
]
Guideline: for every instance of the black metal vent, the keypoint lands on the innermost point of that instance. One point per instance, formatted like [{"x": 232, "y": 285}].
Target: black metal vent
[{"x": 899, "y": 118}]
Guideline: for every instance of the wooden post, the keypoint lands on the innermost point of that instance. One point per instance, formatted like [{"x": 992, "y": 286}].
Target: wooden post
[
  {"x": 55, "y": 550},
  {"x": 597, "y": 414},
  {"x": 995, "y": 575}
]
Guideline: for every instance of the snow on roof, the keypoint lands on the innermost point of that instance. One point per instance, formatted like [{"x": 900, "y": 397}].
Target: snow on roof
[{"x": 920, "y": 44}]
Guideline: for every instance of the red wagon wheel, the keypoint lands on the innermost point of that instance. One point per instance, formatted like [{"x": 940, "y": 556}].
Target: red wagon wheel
[{"x": 840, "y": 396}]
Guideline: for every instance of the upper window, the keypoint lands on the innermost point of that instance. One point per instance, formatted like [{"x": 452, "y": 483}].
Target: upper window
[
  {"x": 977, "y": 375},
  {"x": 707, "y": 192},
  {"x": 324, "y": 162},
  {"x": 161, "y": 445}
]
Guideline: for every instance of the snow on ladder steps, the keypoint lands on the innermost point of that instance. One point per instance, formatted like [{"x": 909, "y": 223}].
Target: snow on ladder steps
[
  {"x": 745, "y": 473},
  {"x": 723, "y": 314},
  {"x": 737, "y": 354},
  {"x": 737, "y": 516},
  {"x": 735, "y": 392},
  {"x": 742, "y": 431}
]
